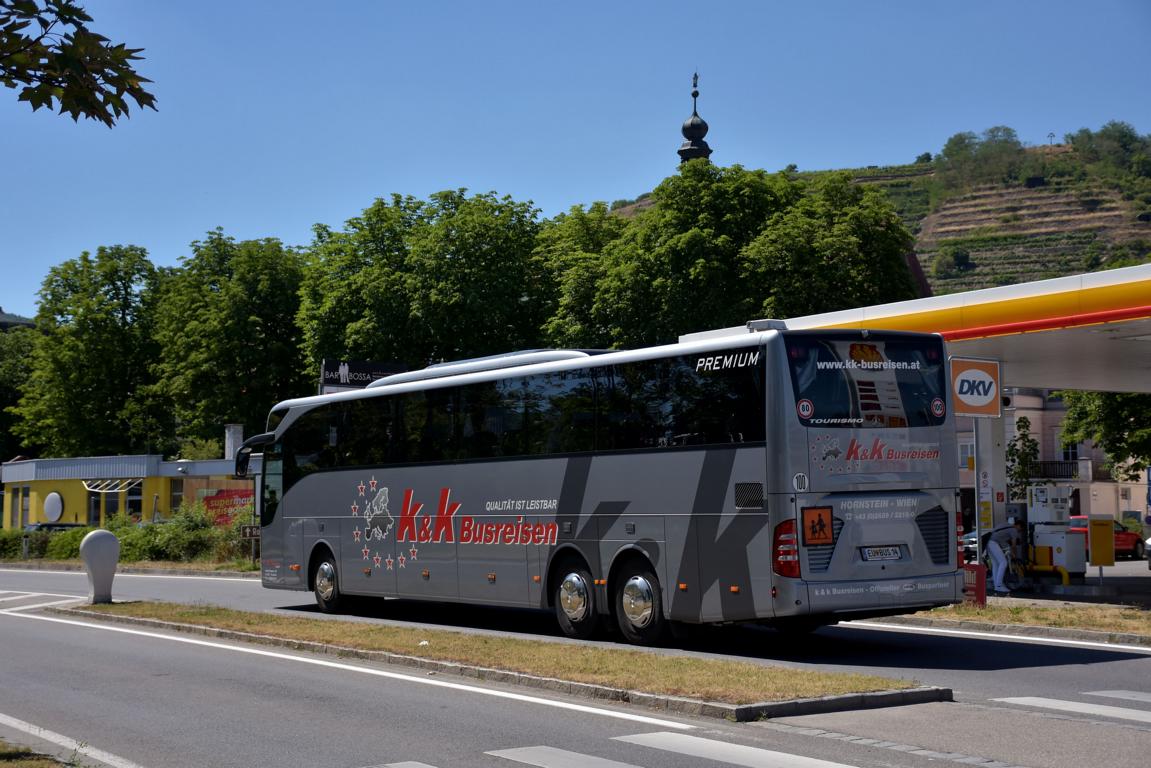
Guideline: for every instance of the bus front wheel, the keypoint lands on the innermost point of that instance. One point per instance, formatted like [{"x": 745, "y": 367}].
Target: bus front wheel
[
  {"x": 326, "y": 584},
  {"x": 638, "y": 606},
  {"x": 575, "y": 601}
]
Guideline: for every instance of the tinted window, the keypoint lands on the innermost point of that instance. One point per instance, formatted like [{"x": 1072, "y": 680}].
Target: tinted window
[
  {"x": 875, "y": 382},
  {"x": 710, "y": 399},
  {"x": 699, "y": 400}
]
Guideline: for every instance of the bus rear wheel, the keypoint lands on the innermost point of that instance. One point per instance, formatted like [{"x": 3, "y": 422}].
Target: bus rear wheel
[
  {"x": 326, "y": 584},
  {"x": 638, "y": 606},
  {"x": 575, "y": 601}
]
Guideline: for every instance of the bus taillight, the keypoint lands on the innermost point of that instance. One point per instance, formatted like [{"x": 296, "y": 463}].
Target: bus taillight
[
  {"x": 959, "y": 536},
  {"x": 785, "y": 550}
]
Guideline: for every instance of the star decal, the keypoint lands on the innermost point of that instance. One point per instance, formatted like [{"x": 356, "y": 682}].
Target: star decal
[
  {"x": 402, "y": 561},
  {"x": 355, "y": 509},
  {"x": 367, "y": 552},
  {"x": 356, "y": 535},
  {"x": 362, "y": 487},
  {"x": 376, "y": 560},
  {"x": 372, "y": 482},
  {"x": 390, "y": 562},
  {"x": 413, "y": 552}
]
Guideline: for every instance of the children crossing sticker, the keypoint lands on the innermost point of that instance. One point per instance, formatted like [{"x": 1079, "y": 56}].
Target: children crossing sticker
[{"x": 817, "y": 528}]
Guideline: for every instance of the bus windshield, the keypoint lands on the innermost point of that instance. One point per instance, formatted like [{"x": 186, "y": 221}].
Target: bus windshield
[{"x": 879, "y": 382}]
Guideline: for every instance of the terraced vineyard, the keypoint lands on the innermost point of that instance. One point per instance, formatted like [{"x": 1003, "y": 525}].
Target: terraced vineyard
[
  {"x": 1012, "y": 234},
  {"x": 1004, "y": 234}
]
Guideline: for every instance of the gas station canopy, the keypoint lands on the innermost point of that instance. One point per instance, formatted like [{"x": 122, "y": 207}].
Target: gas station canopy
[{"x": 1090, "y": 332}]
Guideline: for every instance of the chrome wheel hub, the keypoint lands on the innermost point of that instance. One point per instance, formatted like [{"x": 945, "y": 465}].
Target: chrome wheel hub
[
  {"x": 638, "y": 601},
  {"x": 326, "y": 581},
  {"x": 573, "y": 597}
]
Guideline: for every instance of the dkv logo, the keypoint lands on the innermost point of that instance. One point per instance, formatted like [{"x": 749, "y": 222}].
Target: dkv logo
[{"x": 975, "y": 385}]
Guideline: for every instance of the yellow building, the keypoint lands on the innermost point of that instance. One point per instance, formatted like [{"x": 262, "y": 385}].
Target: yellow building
[{"x": 92, "y": 490}]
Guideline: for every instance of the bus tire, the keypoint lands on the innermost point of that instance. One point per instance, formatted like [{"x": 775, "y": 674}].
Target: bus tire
[
  {"x": 574, "y": 600},
  {"x": 638, "y": 605},
  {"x": 326, "y": 584}
]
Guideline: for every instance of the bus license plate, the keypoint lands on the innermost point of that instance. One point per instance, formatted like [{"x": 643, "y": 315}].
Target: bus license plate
[{"x": 881, "y": 553}]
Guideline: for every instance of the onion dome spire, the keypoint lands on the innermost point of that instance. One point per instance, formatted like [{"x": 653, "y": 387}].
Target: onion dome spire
[{"x": 694, "y": 129}]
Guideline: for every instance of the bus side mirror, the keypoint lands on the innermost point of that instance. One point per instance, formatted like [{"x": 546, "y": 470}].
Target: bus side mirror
[{"x": 244, "y": 453}]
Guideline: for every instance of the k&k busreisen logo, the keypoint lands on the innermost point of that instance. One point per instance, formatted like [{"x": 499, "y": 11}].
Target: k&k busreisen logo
[{"x": 975, "y": 385}]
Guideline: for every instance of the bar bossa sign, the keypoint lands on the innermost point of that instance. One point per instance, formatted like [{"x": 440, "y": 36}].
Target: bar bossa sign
[{"x": 975, "y": 387}]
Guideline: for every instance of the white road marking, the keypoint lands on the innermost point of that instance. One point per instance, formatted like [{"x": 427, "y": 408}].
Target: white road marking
[
  {"x": 999, "y": 636},
  {"x": 120, "y": 575},
  {"x": 551, "y": 757},
  {"x": 25, "y": 595},
  {"x": 70, "y": 600},
  {"x": 1100, "y": 710},
  {"x": 434, "y": 682},
  {"x": 1129, "y": 695},
  {"x": 70, "y": 744},
  {"x": 735, "y": 754}
]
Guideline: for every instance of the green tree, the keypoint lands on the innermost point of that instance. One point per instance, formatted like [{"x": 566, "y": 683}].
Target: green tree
[
  {"x": 16, "y": 346},
  {"x": 569, "y": 248},
  {"x": 956, "y": 161},
  {"x": 354, "y": 299},
  {"x": 474, "y": 286},
  {"x": 951, "y": 260},
  {"x": 841, "y": 246},
  {"x": 415, "y": 281},
  {"x": 1118, "y": 423},
  {"x": 229, "y": 344},
  {"x": 1022, "y": 459},
  {"x": 676, "y": 267},
  {"x": 91, "y": 355},
  {"x": 48, "y": 52}
]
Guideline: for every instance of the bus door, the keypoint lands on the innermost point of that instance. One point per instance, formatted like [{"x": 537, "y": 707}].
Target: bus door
[{"x": 276, "y": 554}]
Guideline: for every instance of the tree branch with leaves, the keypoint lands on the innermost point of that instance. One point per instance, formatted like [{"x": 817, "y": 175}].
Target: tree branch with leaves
[{"x": 51, "y": 56}]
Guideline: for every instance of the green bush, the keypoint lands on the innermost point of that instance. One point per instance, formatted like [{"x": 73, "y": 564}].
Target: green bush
[
  {"x": 139, "y": 543},
  {"x": 11, "y": 543},
  {"x": 65, "y": 545}
]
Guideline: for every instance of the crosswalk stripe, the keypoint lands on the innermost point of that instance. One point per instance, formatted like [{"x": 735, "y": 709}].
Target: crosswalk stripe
[
  {"x": 734, "y": 754},
  {"x": 1101, "y": 710},
  {"x": 26, "y": 595},
  {"x": 551, "y": 757},
  {"x": 1128, "y": 695},
  {"x": 40, "y": 605}
]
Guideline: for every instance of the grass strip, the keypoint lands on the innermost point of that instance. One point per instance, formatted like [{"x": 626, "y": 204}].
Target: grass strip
[
  {"x": 1099, "y": 618},
  {"x": 22, "y": 757},
  {"x": 730, "y": 682}
]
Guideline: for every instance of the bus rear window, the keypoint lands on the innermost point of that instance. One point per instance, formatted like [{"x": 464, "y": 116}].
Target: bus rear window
[{"x": 873, "y": 382}]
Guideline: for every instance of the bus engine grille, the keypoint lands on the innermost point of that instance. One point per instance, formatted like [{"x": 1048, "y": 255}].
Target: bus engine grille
[{"x": 935, "y": 526}]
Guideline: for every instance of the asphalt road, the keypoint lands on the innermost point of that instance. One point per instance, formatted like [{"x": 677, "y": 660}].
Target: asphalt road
[
  {"x": 148, "y": 699},
  {"x": 1066, "y": 705}
]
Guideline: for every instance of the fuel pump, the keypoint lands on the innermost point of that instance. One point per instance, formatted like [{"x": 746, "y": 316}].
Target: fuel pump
[{"x": 1054, "y": 547}]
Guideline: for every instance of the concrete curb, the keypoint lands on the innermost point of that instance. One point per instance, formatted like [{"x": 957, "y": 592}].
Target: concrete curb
[
  {"x": 53, "y": 565},
  {"x": 740, "y": 713},
  {"x": 1024, "y": 630}
]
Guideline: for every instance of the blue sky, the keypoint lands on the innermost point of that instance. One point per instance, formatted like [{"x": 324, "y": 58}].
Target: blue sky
[{"x": 277, "y": 115}]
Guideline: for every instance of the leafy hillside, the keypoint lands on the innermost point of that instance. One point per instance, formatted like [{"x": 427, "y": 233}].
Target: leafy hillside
[
  {"x": 987, "y": 211},
  {"x": 990, "y": 212}
]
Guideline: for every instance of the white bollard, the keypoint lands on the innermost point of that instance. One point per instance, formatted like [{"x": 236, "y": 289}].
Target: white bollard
[{"x": 100, "y": 551}]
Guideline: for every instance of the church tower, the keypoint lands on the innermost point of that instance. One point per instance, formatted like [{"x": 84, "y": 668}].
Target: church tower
[{"x": 694, "y": 129}]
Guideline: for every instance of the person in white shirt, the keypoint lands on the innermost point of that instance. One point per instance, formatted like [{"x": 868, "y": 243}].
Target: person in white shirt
[{"x": 1001, "y": 546}]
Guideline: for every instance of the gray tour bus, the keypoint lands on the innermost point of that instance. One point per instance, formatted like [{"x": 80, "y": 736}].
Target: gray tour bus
[{"x": 794, "y": 478}]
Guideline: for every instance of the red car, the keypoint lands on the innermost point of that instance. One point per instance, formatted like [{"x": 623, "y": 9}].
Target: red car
[{"x": 1127, "y": 543}]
